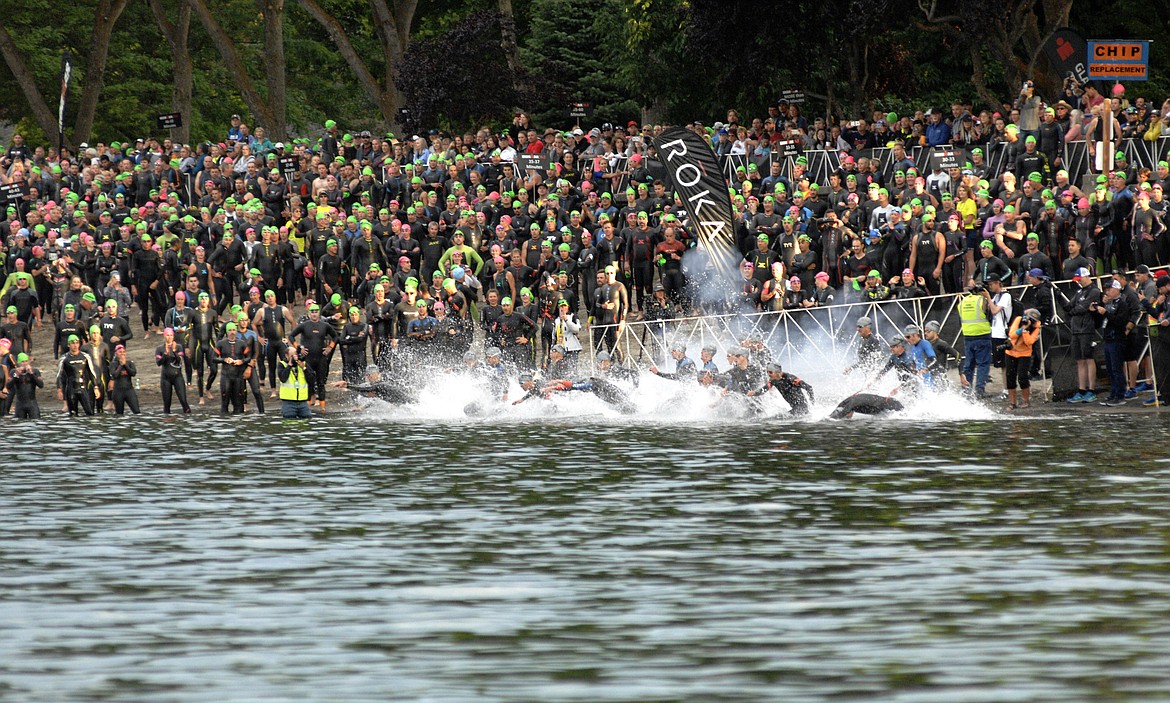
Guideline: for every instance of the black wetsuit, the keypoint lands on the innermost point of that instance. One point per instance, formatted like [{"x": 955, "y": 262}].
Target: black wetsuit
[
  {"x": 123, "y": 392},
  {"x": 272, "y": 329},
  {"x": 606, "y": 391},
  {"x": 64, "y": 329},
  {"x": 171, "y": 377},
  {"x": 684, "y": 370},
  {"x": 866, "y": 404},
  {"x": 231, "y": 381},
  {"x": 116, "y": 326},
  {"x": 202, "y": 350},
  {"x": 746, "y": 380},
  {"x": 76, "y": 377},
  {"x": 180, "y": 322},
  {"x": 795, "y": 392},
  {"x": 353, "y": 350},
  {"x": 389, "y": 391},
  {"x": 22, "y": 390},
  {"x": 316, "y": 337}
]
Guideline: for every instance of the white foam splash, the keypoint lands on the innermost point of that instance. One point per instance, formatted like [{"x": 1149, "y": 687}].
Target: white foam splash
[{"x": 445, "y": 395}]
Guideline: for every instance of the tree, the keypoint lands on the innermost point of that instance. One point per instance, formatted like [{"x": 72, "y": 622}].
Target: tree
[
  {"x": 391, "y": 26},
  {"x": 272, "y": 112},
  {"x": 441, "y": 91},
  {"x": 105, "y": 16},
  {"x": 508, "y": 43},
  {"x": 177, "y": 34},
  {"x": 1013, "y": 32},
  {"x": 563, "y": 42}
]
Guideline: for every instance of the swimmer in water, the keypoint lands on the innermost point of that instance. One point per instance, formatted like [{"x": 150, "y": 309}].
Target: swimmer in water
[{"x": 866, "y": 404}]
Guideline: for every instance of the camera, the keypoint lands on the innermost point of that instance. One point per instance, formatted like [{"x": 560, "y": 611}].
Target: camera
[{"x": 978, "y": 288}]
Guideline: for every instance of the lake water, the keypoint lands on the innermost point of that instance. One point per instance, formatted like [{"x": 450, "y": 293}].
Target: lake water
[{"x": 587, "y": 557}]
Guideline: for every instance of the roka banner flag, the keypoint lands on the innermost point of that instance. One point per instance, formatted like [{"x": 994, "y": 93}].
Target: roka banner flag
[{"x": 694, "y": 172}]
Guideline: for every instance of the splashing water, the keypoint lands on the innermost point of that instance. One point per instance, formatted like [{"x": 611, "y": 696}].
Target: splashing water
[{"x": 444, "y": 397}]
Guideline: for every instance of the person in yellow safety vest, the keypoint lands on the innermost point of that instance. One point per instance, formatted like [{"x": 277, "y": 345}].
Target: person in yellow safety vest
[
  {"x": 293, "y": 373},
  {"x": 975, "y": 316}
]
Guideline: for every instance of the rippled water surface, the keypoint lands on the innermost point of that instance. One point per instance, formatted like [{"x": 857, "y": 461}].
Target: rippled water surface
[{"x": 365, "y": 558}]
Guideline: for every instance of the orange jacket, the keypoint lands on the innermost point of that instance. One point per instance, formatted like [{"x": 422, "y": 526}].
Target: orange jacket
[{"x": 1021, "y": 344}]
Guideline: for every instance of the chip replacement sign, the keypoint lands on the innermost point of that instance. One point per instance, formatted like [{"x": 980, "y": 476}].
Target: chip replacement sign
[{"x": 1119, "y": 60}]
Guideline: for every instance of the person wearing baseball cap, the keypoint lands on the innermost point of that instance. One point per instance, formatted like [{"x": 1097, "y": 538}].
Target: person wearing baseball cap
[{"x": 1083, "y": 319}]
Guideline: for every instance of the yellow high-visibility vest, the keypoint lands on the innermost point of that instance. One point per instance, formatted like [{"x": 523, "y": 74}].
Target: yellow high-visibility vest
[
  {"x": 973, "y": 317},
  {"x": 296, "y": 387}
]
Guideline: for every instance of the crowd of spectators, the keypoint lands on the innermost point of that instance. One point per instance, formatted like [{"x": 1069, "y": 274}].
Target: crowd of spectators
[{"x": 385, "y": 230}]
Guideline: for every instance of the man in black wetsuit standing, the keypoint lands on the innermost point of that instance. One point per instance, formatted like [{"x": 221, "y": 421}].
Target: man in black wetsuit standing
[
  {"x": 233, "y": 352},
  {"x": 269, "y": 323},
  {"x": 77, "y": 379},
  {"x": 319, "y": 337}
]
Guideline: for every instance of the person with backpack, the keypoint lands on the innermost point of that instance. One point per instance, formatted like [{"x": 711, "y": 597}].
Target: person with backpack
[{"x": 1001, "y": 307}]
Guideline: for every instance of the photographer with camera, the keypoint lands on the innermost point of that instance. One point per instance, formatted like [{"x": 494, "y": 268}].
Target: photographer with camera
[
  {"x": 293, "y": 371},
  {"x": 975, "y": 317},
  {"x": 1022, "y": 335}
]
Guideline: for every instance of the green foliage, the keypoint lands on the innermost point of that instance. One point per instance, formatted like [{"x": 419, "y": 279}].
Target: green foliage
[
  {"x": 439, "y": 88},
  {"x": 667, "y": 60},
  {"x": 565, "y": 48}
]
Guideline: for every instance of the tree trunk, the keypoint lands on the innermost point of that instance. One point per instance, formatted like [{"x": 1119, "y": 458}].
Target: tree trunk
[
  {"x": 227, "y": 50},
  {"x": 45, "y": 118},
  {"x": 393, "y": 30},
  {"x": 273, "y": 11},
  {"x": 508, "y": 43},
  {"x": 104, "y": 19},
  {"x": 855, "y": 97},
  {"x": 177, "y": 34},
  {"x": 377, "y": 95},
  {"x": 979, "y": 78}
]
